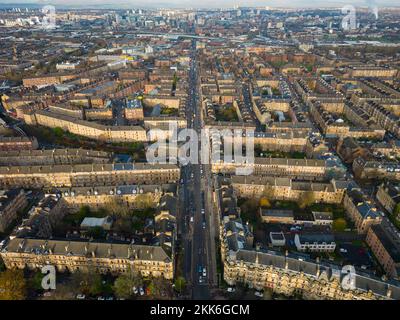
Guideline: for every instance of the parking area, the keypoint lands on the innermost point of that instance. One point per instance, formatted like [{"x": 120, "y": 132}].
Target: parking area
[{"x": 356, "y": 255}]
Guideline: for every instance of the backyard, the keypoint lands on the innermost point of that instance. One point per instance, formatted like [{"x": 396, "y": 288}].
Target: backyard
[
  {"x": 59, "y": 137},
  {"x": 226, "y": 113},
  {"x": 125, "y": 222}
]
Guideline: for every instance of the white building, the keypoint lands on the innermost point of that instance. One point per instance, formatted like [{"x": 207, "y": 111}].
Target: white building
[{"x": 315, "y": 242}]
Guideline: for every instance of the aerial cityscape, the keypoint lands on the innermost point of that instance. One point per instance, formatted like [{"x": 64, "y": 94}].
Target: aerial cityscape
[{"x": 177, "y": 152}]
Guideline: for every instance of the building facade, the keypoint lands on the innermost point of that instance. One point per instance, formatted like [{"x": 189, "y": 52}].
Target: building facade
[{"x": 75, "y": 256}]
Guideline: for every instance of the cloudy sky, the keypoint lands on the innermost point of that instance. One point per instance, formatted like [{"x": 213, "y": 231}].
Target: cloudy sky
[{"x": 211, "y": 3}]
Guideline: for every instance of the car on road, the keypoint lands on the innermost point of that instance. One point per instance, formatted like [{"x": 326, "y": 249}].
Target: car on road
[
  {"x": 204, "y": 225},
  {"x": 204, "y": 272},
  {"x": 230, "y": 289}
]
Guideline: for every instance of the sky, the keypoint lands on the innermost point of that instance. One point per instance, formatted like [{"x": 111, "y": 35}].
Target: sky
[{"x": 209, "y": 3}]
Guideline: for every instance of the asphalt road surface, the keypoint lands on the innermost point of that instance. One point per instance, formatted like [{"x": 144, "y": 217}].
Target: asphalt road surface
[{"x": 197, "y": 234}]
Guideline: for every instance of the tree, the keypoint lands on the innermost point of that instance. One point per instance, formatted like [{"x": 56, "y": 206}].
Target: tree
[
  {"x": 2, "y": 266},
  {"x": 267, "y": 195},
  {"x": 249, "y": 210},
  {"x": 180, "y": 284},
  {"x": 58, "y": 132},
  {"x": 116, "y": 208},
  {"x": 63, "y": 292},
  {"x": 339, "y": 225},
  {"x": 144, "y": 201},
  {"x": 84, "y": 211},
  {"x": 396, "y": 210},
  {"x": 123, "y": 285},
  {"x": 96, "y": 232},
  {"x": 89, "y": 283},
  {"x": 159, "y": 287},
  {"x": 269, "y": 192},
  {"x": 123, "y": 225},
  {"x": 306, "y": 199},
  {"x": 36, "y": 281},
  {"x": 12, "y": 285},
  {"x": 264, "y": 202}
]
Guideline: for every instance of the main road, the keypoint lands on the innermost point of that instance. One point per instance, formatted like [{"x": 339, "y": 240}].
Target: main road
[{"x": 198, "y": 230}]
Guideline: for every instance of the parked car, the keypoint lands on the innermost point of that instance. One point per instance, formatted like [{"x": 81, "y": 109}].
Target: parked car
[
  {"x": 141, "y": 291},
  {"x": 81, "y": 297},
  {"x": 230, "y": 289},
  {"x": 258, "y": 294},
  {"x": 135, "y": 290}
]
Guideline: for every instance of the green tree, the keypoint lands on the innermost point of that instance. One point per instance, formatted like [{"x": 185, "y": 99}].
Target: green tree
[
  {"x": 12, "y": 285},
  {"x": 174, "y": 81},
  {"x": 396, "y": 210},
  {"x": 96, "y": 232},
  {"x": 84, "y": 211},
  {"x": 249, "y": 211},
  {"x": 36, "y": 281},
  {"x": 123, "y": 285},
  {"x": 58, "y": 132},
  {"x": 180, "y": 284}
]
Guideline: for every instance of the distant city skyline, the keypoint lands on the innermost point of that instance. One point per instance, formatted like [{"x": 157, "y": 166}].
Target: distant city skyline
[{"x": 206, "y": 3}]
